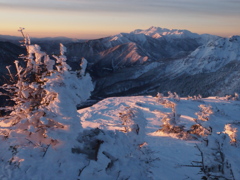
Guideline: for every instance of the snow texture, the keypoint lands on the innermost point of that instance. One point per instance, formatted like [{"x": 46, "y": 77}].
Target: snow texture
[{"x": 119, "y": 138}]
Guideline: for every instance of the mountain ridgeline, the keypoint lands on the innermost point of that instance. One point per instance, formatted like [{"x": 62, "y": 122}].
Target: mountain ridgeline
[{"x": 158, "y": 60}]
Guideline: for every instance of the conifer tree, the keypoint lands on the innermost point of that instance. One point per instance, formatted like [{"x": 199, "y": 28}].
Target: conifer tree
[{"x": 45, "y": 94}]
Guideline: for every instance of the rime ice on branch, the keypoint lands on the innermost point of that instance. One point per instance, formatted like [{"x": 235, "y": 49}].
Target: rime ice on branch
[{"x": 45, "y": 94}]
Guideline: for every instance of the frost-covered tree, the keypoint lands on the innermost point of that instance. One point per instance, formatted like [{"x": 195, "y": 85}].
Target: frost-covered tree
[
  {"x": 201, "y": 129},
  {"x": 174, "y": 96},
  {"x": 171, "y": 121},
  {"x": 44, "y": 116},
  {"x": 195, "y": 98},
  {"x": 45, "y": 93},
  {"x": 231, "y": 131},
  {"x": 216, "y": 148},
  {"x": 204, "y": 113},
  {"x": 215, "y": 162}
]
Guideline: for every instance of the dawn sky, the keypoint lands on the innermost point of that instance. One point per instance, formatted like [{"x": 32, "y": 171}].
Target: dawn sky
[{"x": 98, "y": 18}]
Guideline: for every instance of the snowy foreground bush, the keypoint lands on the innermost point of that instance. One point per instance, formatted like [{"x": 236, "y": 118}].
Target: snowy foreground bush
[
  {"x": 44, "y": 137},
  {"x": 43, "y": 121}
]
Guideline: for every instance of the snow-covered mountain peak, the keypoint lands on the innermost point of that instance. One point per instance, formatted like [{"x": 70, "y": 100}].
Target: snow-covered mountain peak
[
  {"x": 153, "y": 33},
  {"x": 157, "y": 32}
]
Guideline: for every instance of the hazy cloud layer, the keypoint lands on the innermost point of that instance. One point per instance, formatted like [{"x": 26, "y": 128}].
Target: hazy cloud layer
[
  {"x": 203, "y": 7},
  {"x": 106, "y": 17}
]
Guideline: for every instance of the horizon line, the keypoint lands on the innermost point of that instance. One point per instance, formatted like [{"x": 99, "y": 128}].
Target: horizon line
[{"x": 100, "y": 35}]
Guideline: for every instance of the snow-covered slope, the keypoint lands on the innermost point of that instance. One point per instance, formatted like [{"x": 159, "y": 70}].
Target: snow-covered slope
[
  {"x": 212, "y": 56},
  {"x": 211, "y": 69},
  {"x": 152, "y": 44},
  {"x": 164, "y": 155},
  {"x": 121, "y": 138}
]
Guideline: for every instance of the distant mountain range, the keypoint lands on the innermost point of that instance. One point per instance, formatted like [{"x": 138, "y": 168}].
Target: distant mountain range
[
  {"x": 156, "y": 59},
  {"x": 138, "y": 47}
]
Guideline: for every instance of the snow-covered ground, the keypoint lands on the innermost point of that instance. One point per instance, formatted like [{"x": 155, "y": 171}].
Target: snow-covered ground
[
  {"x": 164, "y": 155},
  {"x": 120, "y": 139}
]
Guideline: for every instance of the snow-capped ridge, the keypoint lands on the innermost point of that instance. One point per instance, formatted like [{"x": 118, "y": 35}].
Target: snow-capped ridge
[
  {"x": 157, "y": 32},
  {"x": 171, "y": 34},
  {"x": 214, "y": 67},
  {"x": 215, "y": 54}
]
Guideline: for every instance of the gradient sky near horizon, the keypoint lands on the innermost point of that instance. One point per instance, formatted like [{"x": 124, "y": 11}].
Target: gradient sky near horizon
[{"x": 88, "y": 19}]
